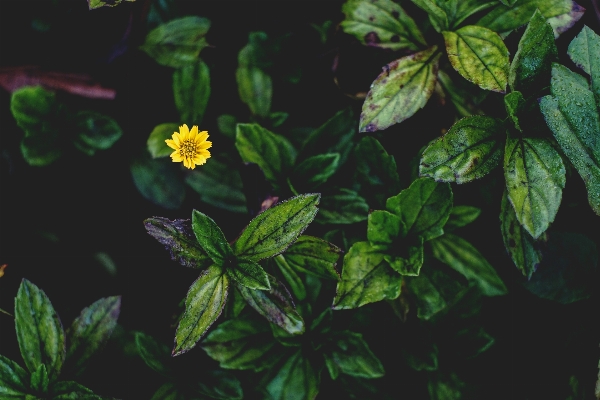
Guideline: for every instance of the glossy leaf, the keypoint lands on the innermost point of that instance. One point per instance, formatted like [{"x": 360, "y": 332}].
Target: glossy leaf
[
  {"x": 400, "y": 90},
  {"x": 463, "y": 257},
  {"x": 296, "y": 379},
  {"x": 376, "y": 171},
  {"x": 366, "y": 278},
  {"x": 313, "y": 256},
  {"x": 461, "y": 216},
  {"x": 530, "y": 68},
  {"x": 584, "y": 50},
  {"x": 191, "y": 90},
  {"x": 178, "y": 238},
  {"x": 90, "y": 331},
  {"x": 211, "y": 238},
  {"x": 479, "y": 55},
  {"x": 275, "y": 229},
  {"x": 39, "y": 330},
  {"x": 156, "y": 355},
  {"x": 249, "y": 274},
  {"x": 437, "y": 15},
  {"x": 158, "y": 180},
  {"x": 275, "y": 305},
  {"x": 242, "y": 343},
  {"x": 381, "y": 23},
  {"x": 39, "y": 380},
  {"x": 350, "y": 354},
  {"x": 384, "y": 228},
  {"x": 178, "y": 42},
  {"x": 535, "y": 177},
  {"x": 424, "y": 207},
  {"x": 294, "y": 282},
  {"x": 96, "y": 131},
  {"x": 470, "y": 150},
  {"x": 314, "y": 171},
  {"x": 14, "y": 380},
  {"x": 156, "y": 141},
  {"x": 203, "y": 305},
  {"x": 344, "y": 206},
  {"x": 514, "y": 102}
]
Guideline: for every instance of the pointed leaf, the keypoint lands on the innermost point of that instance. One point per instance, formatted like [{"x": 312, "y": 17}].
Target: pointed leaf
[
  {"x": 64, "y": 390},
  {"x": 437, "y": 16},
  {"x": 158, "y": 180},
  {"x": 461, "y": 216},
  {"x": 275, "y": 305},
  {"x": 463, "y": 257},
  {"x": 168, "y": 391},
  {"x": 381, "y": 23},
  {"x": 385, "y": 228},
  {"x": 400, "y": 90},
  {"x": 535, "y": 177},
  {"x": 470, "y": 150},
  {"x": 344, "y": 206},
  {"x": 584, "y": 50},
  {"x": 39, "y": 330},
  {"x": 255, "y": 89},
  {"x": 221, "y": 385},
  {"x": 156, "y": 355},
  {"x": 203, "y": 305},
  {"x": 313, "y": 256},
  {"x": 296, "y": 379},
  {"x": 446, "y": 386},
  {"x": 406, "y": 257},
  {"x": 242, "y": 343},
  {"x": 472, "y": 341},
  {"x": 424, "y": 207},
  {"x": 39, "y": 380},
  {"x": 275, "y": 229},
  {"x": 178, "y": 42},
  {"x": 210, "y": 237},
  {"x": 350, "y": 354},
  {"x": 334, "y": 136},
  {"x": 93, "y": 4},
  {"x": 294, "y": 282},
  {"x": 249, "y": 274},
  {"x": 314, "y": 171},
  {"x": 514, "y": 102},
  {"x": 178, "y": 238},
  {"x": 366, "y": 278},
  {"x": 156, "y": 141},
  {"x": 90, "y": 331},
  {"x": 479, "y": 55},
  {"x": 96, "y": 131},
  {"x": 459, "y": 10},
  {"x": 14, "y": 380},
  {"x": 191, "y": 90}
]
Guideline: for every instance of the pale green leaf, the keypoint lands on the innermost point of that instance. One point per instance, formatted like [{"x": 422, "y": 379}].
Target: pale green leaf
[
  {"x": 384, "y": 229},
  {"x": 437, "y": 16},
  {"x": 156, "y": 141},
  {"x": 584, "y": 50},
  {"x": 292, "y": 279},
  {"x": 191, "y": 90},
  {"x": 313, "y": 256},
  {"x": 249, "y": 274},
  {"x": 461, "y": 216}
]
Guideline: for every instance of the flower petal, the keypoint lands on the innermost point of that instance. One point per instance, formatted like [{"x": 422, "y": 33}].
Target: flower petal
[
  {"x": 205, "y": 145},
  {"x": 184, "y": 131},
  {"x": 194, "y": 131},
  {"x": 172, "y": 144},
  {"x": 202, "y": 136}
]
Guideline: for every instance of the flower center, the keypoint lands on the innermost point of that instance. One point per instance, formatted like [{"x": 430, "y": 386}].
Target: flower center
[{"x": 188, "y": 148}]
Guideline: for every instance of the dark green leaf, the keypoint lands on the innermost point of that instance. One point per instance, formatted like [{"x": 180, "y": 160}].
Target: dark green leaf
[
  {"x": 277, "y": 118},
  {"x": 249, "y": 274},
  {"x": 514, "y": 102},
  {"x": 470, "y": 150},
  {"x": 160, "y": 12},
  {"x": 446, "y": 387},
  {"x": 275, "y": 229},
  {"x": 472, "y": 341},
  {"x": 158, "y": 180},
  {"x": 479, "y": 55},
  {"x": 535, "y": 177},
  {"x": 422, "y": 354},
  {"x": 523, "y": 249},
  {"x": 178, "y": 237},
  {"x": 255, "y": 89},
  {"x": 210, "y": 237},
  {"x": 191, "y": 90},
  {"x": 93, "y": 4},
  {"x": 273, "y": 153},
  {"x": 72, "y": 390},
  {"x": 14, "y": 380},
  {"x": 400, "y": 90},
  {"x": 39, "y": 330},
  {"x": 466, "y": 259},
  {"x": 424, "y": 207},
  {"x": 384, "y": 228},
  {"x": 464, "y": 95},
  {"x": 40, "y": 151},
  {"x": 156, "y": 141},
  {"x": 178, "y": 42},
  {"x": 218, "y": 384},
  {"x": 314, "y": 171},
  {"x": 242, "y": 343},
  {"x": 155, "y": 354},
  {"x": 291, "y": 277},
  {"x": 168, "y": 391},
  {"x": 459, "y": 10},
  {"x": 39, "y": 380},
  {"x": 461, "y": 216},
  {"x": 227, "y": 124},
  {"x": 381, "y": 23},
  {"x": 584, "y": 50},
  {"x": 90, "y": 331},
  {"x": 530, "y": 69},
  {"x": 366, "y": 278},
  {"x": 313, "y": 256},
  {"x": 343, "y": 207},
  {"x": 96, "y": 131},
  {"x": 437, "y": 16},
  {"x": 350, "y": 354},
  {"x": 296, "y": 379},
  {"x": 203, "y": 305},
  {"x": 334, "y": 136},
  {"x": 406, "y": 256}
]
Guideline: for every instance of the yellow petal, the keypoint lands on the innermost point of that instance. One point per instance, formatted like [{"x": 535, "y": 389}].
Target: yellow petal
[
  {"x": 184, "y": 131},
  {"x": 202, "y": 136},
  {"x": 194, "y": 132},
  {"x": 176, "y": 157},
  {"x": 171, "y": 144},
  {"x": 205, "y": 145},
  {"x": 176, "y": 138}
]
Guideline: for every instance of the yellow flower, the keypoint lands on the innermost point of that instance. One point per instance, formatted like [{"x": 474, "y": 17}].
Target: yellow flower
[{"x": 190, "y": 146}]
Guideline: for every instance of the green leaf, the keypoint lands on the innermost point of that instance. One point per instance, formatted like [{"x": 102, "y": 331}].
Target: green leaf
[
  {"x": 470, "y": 150},
  {"x": 400, "y": 90},
  {"x": 313, "y": 256},
  {"x": 472, "y": 341},
  {"x": 422, "y": 354},
  {"x": 275, "y": 229},
  {"x": 275, "y": 305},
  {"x": 406, "y": 256},
  {"x": 314, "y": 171},
  {"x": 381, "y": 23},
  {"x": 179, "y": 239},
  {"x": 158, "y": 181},
  {"x": 366, "y": 278},
  {"x": 226, "y": 124},
  {"x": 155, "y": 354},
  {"x": 191, "y": 90},
  {"x": 254, "y": 84},
  {"x": 168, "y": 391},
  {"x": 217, "y": 384},
  {"x": 479, "y": 55},
  {"x": 291, "y": 277},
  {"x": 39, "y": 330},
  {"x": 296, "y": 379},
  {"x": 459, "y": 10},
  {"x": 203, "y": 305},
  {"x": 64, "y": 390},
  {"x": 156, "y": 141},
  {"x": 178, "y": 42},
  {"x": 463, "y": 257},
  {"x": 561, "y": 14},
  {"x": 530, "y": 68},
  {"x": 242, "y": 343},
  {"x": 350, "y": 354},
  {"x": 424, "y": 207},
  {"x": 514, "y": 102},
  {"x": 384, "y": 228},
  {"x": 96, "y": 131},
  {"x": 344, "y": 206},
  {"x": 273, "y": 153},
  {"x": 219, "y": 184},
  {"x": 93, "y": 4},
  {"x": 39, "y": 380},
  {"x": 446, "y": 386},
  {"x": 461, "y": 216},
  {"x": 464, "y": 95},
  {"x": 210, "y": 237},
  {"x": 249, "y": 274},
  {"x": 90, "y": 331},
  {"x": 584, "y": 50},
  {"x": 14, "y": 380},
  {"x": 535, "y": 177},
  {"x": 437, "y": 16}
]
